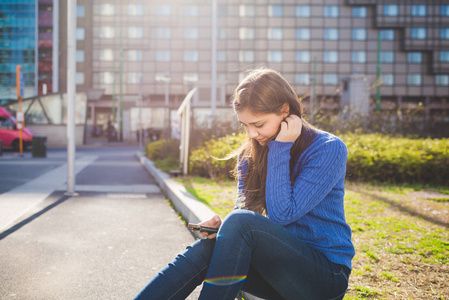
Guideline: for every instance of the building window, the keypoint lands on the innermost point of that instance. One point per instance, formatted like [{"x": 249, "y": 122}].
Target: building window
[
  {"x": 386, "y": 56},
  {"x": 390, "y": 10},
  {"x": 359, "y": 12},
  {"x": 222, "y": 10},
  {"x": 330, "y": 78},
  {"x": 134, "y": 55},
  {"x": 444, "y": 56},
  {"x": 191, "y": 10},
  {"x": 302, "y": 79},
  {"x": 330, "y": 11},
  {"x": 275, "y": 56},
  {"x": 387, "y": 79},
  {"x": 79, "y": 33},
  {"x": 444, "y": 33},
  {"x": 246, "y": 56},
  {"x": 331, "y": 34},
  {"x": 358, "y": 34},
  {"x": 163, "y": 55},
  {"x": 79, "y": 78},
  {"x": 190, "y": 77},
  {"x": 221, "y": 33},
  {"x": 107, "y": 32},
  {"x": 419, "y": 10},
  {"x": 162, "y": 33},
  {"x": 414, "y": 79},
  {"x": 191, "y": 33},
  {"x": 106, "y": 77},
  {"x": 302, "y": 56},
  {"x": 107, "y": 9},
  {"x": 247, "y": 11},
  {"x": 442, "y": 80},
  {"x": 190, "y": 55},
  {"x": 163, "y": 10},
  {"x": 275, "y": 33},
  {"x": 106, "y": 55},
  {"x": 386, "y": 34},
  {"x": 302, "y": 33},
  {"x": 221, "y": 56},
  {"x": 79, "y": 55},
  {"x": 135, "y": 32},
  {"x": 418, "y": 33},
  {"x": 80, "y": 11},
  {"x": 414, "y": 57},
  {"x": 134, "y": 78},
  {"x": 330, "y": 56},
  {"x": 135, "y": 10},
  {"x": 444, "y": 10},
  {"x": 302, "y": 11},
  {"x": 275, "y": 10},
  {"x": 246, "y": 33},
  {"x": 358, "y": 56}
]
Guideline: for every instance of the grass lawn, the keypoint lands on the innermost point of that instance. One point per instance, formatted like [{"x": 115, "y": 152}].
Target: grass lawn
[{"x": 400, "y": 232}]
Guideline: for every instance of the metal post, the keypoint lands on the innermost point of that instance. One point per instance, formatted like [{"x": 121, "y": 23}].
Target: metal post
[
  {"x": 214, "y": 60},
  {"x": 378, "y": 74},
  {"x": 55, "y": 57},
  {"x": 185, "y": 168},
  {"x": 140, "y": 113},
  {"x": 71, "y": 90},
  {"x": 167, "y": 102},
  {"x": 113, "y": 92},
  {"x": 121, "y": 88},
  {"x": 311, "y": 95},
  {"x": 312, "y": 91}
]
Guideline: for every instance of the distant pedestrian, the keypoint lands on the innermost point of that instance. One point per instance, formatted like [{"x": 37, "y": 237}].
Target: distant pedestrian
[{"x": 287, "y": 237}]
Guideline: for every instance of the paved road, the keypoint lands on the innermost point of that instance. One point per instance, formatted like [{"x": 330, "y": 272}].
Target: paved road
[{"x": 105, "y": 243}]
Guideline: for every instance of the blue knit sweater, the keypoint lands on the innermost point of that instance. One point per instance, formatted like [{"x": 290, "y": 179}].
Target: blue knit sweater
[{"x": 312, "y": 209}]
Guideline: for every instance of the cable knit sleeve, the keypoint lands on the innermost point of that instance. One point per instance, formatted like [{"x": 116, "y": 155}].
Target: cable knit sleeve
[{"x": 322, "y": 165}]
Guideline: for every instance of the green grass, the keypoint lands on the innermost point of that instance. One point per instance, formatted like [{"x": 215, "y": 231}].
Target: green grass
[
  {"x": 391, "y": 245},
  {"x": 365, "y": 291},
  {"x": 440, "y": 199},
  {"x": 167, "y": 164},
  {"x": 218, "y": 196}
]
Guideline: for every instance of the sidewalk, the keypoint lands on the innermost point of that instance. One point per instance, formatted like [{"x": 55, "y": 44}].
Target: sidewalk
[{"x": 105, "y": 243}]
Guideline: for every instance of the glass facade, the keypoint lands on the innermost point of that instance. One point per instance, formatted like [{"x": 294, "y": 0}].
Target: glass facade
[{"x": 17, "y": 47}]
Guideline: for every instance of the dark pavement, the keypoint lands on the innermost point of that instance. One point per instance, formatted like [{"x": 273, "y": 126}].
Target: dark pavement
[{"x": 105, "y": 243}]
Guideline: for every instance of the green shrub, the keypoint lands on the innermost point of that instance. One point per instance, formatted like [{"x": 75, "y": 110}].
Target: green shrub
[
  {"x": 159, "y": 150},
  {"x": 210, "y": 159},
  {"x": 397, "y": 159},
  {"x": 371, "y": 157}
]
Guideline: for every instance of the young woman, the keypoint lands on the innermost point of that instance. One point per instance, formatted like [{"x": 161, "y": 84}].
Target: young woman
[{"x": 287, "y": 237}]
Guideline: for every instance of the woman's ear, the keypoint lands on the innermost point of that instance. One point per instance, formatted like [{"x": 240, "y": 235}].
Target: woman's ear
[{"x": 285, "y": 110}]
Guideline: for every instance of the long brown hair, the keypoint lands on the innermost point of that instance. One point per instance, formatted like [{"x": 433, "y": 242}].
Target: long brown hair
[{"x": 265, "y": 91}]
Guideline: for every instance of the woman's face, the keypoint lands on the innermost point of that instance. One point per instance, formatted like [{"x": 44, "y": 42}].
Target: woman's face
[{"x": 260, "y": 127}]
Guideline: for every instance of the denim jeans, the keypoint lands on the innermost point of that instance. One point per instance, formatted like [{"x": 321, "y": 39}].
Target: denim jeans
[{"x": 253, "y": 254}]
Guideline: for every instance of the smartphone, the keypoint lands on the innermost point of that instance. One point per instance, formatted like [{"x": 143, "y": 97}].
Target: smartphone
[{"x": 202, "y": 228}]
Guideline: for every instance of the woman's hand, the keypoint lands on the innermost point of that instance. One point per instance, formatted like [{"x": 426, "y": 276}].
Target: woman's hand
[
  {"x": 290, "y": 129},
  {"x": 214, "y": 222}
]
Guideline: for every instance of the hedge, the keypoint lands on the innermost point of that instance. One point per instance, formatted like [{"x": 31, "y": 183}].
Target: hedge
[{"x": 371, "y": 157}]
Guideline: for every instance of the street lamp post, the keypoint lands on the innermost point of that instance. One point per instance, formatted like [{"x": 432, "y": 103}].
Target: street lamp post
[
  {"x": 214, "y": 60},
  {"x": 166, "y": 79}
]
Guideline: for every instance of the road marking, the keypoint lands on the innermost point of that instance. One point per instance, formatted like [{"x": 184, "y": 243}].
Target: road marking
[
  {"x": 132, "y": 189},
  {"x": 16, "y": 202}
]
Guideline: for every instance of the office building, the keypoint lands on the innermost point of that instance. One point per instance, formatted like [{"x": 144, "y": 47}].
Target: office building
[{"x": 29, "y": 38}]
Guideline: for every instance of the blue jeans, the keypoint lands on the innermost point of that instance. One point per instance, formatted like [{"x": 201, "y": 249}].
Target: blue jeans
[{"x": 253, "y": 254}]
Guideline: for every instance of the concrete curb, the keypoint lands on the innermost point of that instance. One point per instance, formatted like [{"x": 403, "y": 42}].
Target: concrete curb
[{"x": 191, "y": 208}]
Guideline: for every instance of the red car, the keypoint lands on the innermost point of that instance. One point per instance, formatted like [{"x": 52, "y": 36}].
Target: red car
[{"x": 9, "y": 134}]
